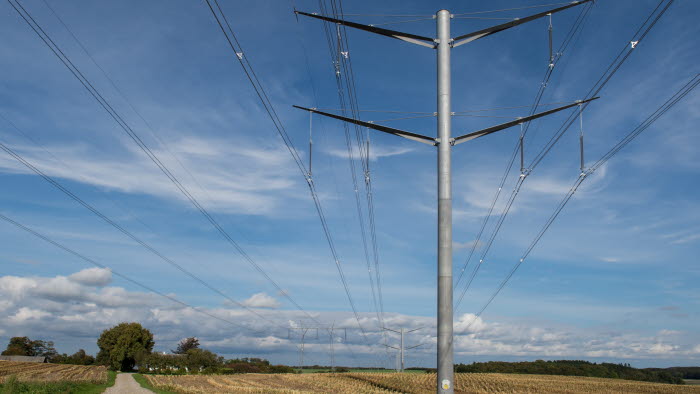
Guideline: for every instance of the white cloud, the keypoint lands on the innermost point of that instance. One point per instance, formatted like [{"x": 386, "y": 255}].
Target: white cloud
[
  {"x": 375, "y": 152},
  {"x": 467, "y": 245},
  {"x": 686, "y": 239},
  {"x": 236, "y": 178},
  {"x": 26, "y": 314},
  {"x": 79, "y": 312},
  {"x": 261, "y": 300},
  {"x": 92, "y": 277}
]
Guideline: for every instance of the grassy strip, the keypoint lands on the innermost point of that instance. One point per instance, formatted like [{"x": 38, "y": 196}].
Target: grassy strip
[
  {"x": 147, "y": 385},
  {"x": 13, "y": 386}
]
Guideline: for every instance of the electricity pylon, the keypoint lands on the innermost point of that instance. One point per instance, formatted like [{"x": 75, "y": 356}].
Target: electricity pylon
[
  {"x": 444, "y": 142},
  {"x": 402, "y": 331},
  {"x": 331, "y": 330}
]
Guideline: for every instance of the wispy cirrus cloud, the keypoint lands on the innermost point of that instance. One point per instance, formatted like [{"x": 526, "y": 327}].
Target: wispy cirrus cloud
[{"x": 224, "y": 177}]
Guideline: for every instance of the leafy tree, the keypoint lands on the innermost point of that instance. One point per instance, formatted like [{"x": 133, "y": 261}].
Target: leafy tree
[
  {"x": 77, "y": 358},
  {"x": 186, "y": 344},
  {"x": 19, "y": 346},
  {"x": 122, "y": 345},
  {"x": 23, "y": 346},
  {"x": 198, "y": 359}
]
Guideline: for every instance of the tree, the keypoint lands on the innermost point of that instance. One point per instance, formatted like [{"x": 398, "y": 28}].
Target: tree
[
  {"x": 19, "y": 346},
  {"x": 186, "y": 344},
  {"x": 23, "y": 346},
  {"x": 78, "y": 358},
  {"x": 198, "y": 359},
  {"x": 122, "y": 345}
]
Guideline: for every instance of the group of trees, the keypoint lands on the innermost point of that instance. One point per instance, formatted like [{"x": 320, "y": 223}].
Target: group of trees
[
  {"x": 128, "y": 345},
  {"x": 23, "y": 346},
  {"x": 121, "y": 348},
  {"x": 572, "y": 368},
  {"x": 253, "y": 365}
]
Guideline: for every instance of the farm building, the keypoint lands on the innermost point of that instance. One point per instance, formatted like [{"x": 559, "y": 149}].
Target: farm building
[{"x": 26, "y": 359}]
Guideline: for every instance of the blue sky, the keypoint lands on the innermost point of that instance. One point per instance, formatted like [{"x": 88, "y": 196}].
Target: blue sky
[{"x": 615, "y": 278}]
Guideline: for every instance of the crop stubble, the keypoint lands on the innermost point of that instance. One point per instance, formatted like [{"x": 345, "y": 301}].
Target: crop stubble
[
  {"x": 38, "y": 372},
  {"x": 404, "y": 383}
]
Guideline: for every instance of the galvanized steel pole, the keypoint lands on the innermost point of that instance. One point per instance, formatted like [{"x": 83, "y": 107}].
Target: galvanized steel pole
[
  {"x": 402, "y": 329},
  {"x": 444, "y": 142},
  {"x": 445, "y": 357}
]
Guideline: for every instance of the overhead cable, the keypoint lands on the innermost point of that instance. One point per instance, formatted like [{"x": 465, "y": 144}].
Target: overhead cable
[{"x": 665, "y": 107}]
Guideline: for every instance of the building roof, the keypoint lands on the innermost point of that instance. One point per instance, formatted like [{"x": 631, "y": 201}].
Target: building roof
[{"x": 26, "y": 359}]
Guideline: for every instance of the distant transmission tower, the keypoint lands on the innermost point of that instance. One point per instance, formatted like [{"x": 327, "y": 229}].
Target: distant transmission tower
[
  {"x": 402, "y": 348},
  {"x": 444, "y": 142},
  {"x": 331, "y": 333}
]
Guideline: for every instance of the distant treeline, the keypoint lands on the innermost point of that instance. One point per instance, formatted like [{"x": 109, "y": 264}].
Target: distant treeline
[
  {"x": 681, "y": 372},
  {"x": 576, "y": 368}
]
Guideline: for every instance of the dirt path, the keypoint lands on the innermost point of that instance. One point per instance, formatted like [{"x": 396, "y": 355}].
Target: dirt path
[{"x": 125, "y": 384}]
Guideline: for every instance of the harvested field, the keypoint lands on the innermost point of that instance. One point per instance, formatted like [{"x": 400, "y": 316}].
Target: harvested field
[
  {"x": 404, "y": 383},
  {"x": 38, "y": 372}
]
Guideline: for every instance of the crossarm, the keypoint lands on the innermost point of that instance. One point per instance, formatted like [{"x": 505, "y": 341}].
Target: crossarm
[
  {"x": 493, "y": 129},
  {"x": 467, "y": 38},
  {"x": 385, "y": 129},
  {"x": 408, "y": 37}
]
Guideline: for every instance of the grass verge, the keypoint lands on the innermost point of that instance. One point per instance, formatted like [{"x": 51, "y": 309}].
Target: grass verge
[
  {"x": 13, "y": 386},
  {"x": 141, "y": 380}
]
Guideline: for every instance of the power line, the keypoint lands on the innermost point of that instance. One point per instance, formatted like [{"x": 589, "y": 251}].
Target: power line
[
  {"x": 26, "y": 16},
  {"x": 339, "y": 51},
  {"x": 665, "y": 107},
  {"x": 397, "y": 22},
  {"x": 137, "y": 283},
  {"x": 236, "y": 47},
  {"x": 511, "y": 9},
  {"x": 124, "y": 231},
  {"x": 340, "y": 56},
  {"x": 518, "y": 148},
  {"x": 615, "y": 65}
]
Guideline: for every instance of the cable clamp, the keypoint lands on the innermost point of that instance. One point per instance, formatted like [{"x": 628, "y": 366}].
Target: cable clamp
[
  {"x": 239, "y": 55},
  {"x": 633, "y": 44}
]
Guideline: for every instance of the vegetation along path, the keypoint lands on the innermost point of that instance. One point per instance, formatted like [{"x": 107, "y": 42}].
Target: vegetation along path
[{"x": 125, "y": 384}]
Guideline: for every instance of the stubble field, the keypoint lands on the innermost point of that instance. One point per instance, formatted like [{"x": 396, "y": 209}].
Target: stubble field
[
  {"x": 38, "y": 372},
  {"x": 403, "y": 383}
]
